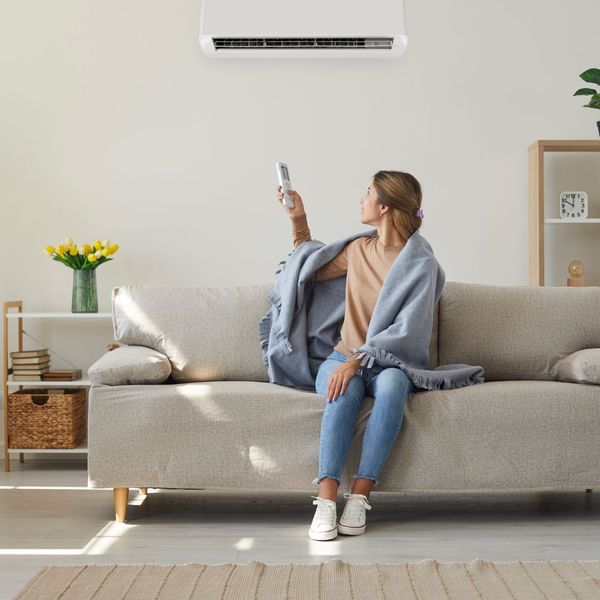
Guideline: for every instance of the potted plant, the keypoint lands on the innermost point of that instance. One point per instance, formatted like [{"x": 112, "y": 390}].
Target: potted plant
[
  {"x": 84, "y": 261},
  {"x": 591, "y": 76}
]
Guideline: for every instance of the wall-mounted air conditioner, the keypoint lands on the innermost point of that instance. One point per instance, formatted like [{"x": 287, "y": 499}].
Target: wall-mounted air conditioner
[{"x": 302, "y": 28}]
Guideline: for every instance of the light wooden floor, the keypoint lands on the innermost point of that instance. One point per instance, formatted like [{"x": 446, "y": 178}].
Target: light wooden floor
[{"x": 45, "y": 522}]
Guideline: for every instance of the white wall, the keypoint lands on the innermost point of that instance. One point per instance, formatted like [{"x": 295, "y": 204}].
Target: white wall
[{"x": 113, "y": 124}]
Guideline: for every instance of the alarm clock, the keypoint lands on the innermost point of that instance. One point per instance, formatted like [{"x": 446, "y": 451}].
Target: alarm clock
[{"x": 573, "y": 205}]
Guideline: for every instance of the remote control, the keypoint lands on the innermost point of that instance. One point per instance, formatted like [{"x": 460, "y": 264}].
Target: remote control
[{"x": 285, "y": 183}]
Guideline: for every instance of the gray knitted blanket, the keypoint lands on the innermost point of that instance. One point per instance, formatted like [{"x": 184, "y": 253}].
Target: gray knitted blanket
[{"x": 304, "y": 321}]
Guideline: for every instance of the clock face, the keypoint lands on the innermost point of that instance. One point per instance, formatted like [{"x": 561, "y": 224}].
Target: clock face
[{"x": 573, "y": 205}]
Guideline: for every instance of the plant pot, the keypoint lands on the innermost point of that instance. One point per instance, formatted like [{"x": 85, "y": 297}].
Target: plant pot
[{"x": 85, "y": 294}]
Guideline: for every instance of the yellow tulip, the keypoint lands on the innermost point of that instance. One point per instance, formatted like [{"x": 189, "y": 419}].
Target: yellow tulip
[
  {"x": 106, "y": 243},
  {"x": 86, "y": 249},
  {"x": 50, "y": 250},
  {"x": 98, "y": 254},
  {"x": 60, "y": 249},
  {"x": 97, "y": 245},
  {"x": 92, "y": 258},
  {"x": 68, "y": 242},
  {"x": 105, "y": 252},
  {"x": 113, "y": 248},
  {"x": 73, "y": 250}
]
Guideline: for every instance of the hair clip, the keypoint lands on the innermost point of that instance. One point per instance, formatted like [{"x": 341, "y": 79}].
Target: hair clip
[{"x": 419, "y": 213}]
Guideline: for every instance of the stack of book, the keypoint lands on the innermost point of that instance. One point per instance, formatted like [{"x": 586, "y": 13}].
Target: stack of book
[
  {"x": 30, "y": 365},
  {"x": 62, "y": 375}
]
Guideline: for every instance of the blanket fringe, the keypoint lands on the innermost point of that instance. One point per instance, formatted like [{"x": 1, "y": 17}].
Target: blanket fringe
[
  {"x": 264, "y": 329},
  {"x": 426, "y": 378},
  {"x": 428, "y": 382},
  {"x": 366, "y": 360}
]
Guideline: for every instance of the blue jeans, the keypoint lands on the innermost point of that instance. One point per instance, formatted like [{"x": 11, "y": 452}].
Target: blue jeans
[{"x": 389, "y": 388}]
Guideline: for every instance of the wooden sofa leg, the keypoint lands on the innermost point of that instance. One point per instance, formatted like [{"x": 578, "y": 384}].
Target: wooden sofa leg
[
  {"x": 121, "y": 497},
  {"x": 144, "y": 491}
]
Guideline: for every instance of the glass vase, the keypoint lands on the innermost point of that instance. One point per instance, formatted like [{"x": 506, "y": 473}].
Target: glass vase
[{"x": 85, "y": 294}]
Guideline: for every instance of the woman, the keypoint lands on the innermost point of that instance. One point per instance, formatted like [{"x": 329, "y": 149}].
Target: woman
[{"x": 392, "y": 205}]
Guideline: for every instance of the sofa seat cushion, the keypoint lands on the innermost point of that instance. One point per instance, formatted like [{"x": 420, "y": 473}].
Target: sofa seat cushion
[
  {"x": 506, "y": 435},
  {"x": 130, "y": 365},
  {"x": 582, "y": 366}
]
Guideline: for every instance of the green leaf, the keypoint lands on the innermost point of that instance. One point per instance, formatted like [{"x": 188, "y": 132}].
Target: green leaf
[
  {"x": 60, "y": 259},
  {"x": 585, "y": 92},
  {"x": 72, "y": 262},
  {"x": 591, "y": 76},
  {"x": 102, "y": 261},
  {"x": 594, "y": 102}
]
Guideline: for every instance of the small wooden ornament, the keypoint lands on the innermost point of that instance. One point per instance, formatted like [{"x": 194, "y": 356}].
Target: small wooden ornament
[{"x": 576, "y": 272}]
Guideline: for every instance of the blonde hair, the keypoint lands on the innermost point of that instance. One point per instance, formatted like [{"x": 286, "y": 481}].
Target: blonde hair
[{"x": 401, "y": 192}]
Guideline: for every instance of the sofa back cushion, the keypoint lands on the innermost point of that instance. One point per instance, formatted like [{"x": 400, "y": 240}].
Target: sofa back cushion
[
  {"x": 208, "y": 333},
  {"x": 516, "y": 332}
]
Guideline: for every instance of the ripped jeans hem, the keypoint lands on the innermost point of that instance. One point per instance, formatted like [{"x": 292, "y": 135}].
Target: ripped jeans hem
[
  {"x": 316, "y": 480},
  {"x": 374, "y": 479}
]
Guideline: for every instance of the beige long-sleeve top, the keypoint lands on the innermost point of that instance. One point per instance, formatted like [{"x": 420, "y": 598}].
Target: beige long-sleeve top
[{"x": 365, "y": 261}]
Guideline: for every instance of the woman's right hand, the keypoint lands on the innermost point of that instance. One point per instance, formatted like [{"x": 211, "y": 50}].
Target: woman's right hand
[{"x": 298, "y": 204}]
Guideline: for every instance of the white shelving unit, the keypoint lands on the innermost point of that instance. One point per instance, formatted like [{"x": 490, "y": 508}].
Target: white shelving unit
[
  {"x": 8, "y": 382},
  {"x": 537, "y": 208}
]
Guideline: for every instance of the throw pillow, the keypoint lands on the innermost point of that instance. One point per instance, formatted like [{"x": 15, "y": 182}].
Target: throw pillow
[
  {"x": 582, "y": 366},
  {"x": 130, "y": 365}
]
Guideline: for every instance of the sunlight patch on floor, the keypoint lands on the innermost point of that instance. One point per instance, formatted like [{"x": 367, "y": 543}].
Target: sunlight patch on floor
[
  {"x": 324, "y": 548},
  {"x": 99, "y": 544},
  {"x": 245, "y": 543}
]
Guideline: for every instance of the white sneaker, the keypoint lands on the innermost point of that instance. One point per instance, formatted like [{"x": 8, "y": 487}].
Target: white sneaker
[
  {"x": 354, "y": 518},
  {"x": 323, "y": 526}
]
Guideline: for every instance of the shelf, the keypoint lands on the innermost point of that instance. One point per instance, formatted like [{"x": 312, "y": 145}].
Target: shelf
[
  {"x": 11, "y": 312},
  {"x": 537, "y": 208},
  {"x": 37, "y": 383},
  {"x": 566, "y": 145},
  {"x": 57, "y": 315},
  {"x": 81, "y": 449},
  {"x": 571, "y": 221}
]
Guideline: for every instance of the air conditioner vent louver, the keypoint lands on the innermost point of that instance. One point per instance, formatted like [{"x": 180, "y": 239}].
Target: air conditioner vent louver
[{"x": 304, "y": 43}]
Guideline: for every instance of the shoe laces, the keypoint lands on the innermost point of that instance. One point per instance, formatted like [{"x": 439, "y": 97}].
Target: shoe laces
[
  {"x": 326, "y": 511},
  {"x": 355, "y": 506}
]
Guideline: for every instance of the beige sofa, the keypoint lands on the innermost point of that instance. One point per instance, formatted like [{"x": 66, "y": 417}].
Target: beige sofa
[{"x": 186, "y": 401}]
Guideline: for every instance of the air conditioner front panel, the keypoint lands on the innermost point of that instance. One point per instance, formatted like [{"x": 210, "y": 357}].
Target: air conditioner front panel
[{"x": 302, "y": 28}]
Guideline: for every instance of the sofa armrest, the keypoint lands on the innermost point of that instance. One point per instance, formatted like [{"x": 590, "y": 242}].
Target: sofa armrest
[{"x": 130, "y": 365}]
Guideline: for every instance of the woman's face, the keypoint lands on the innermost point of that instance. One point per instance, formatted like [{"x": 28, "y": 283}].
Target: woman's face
[{"x": 370, "y": 210}]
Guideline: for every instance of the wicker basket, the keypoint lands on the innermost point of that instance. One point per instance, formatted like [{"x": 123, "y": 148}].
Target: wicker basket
[{"x": 47, "y": 418}]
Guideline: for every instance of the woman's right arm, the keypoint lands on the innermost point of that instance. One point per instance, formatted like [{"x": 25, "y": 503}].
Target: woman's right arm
[{"x": 301, "y": 233}]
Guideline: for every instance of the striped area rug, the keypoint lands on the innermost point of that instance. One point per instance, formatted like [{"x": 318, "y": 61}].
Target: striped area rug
[{"x": 333, "y": 579}]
